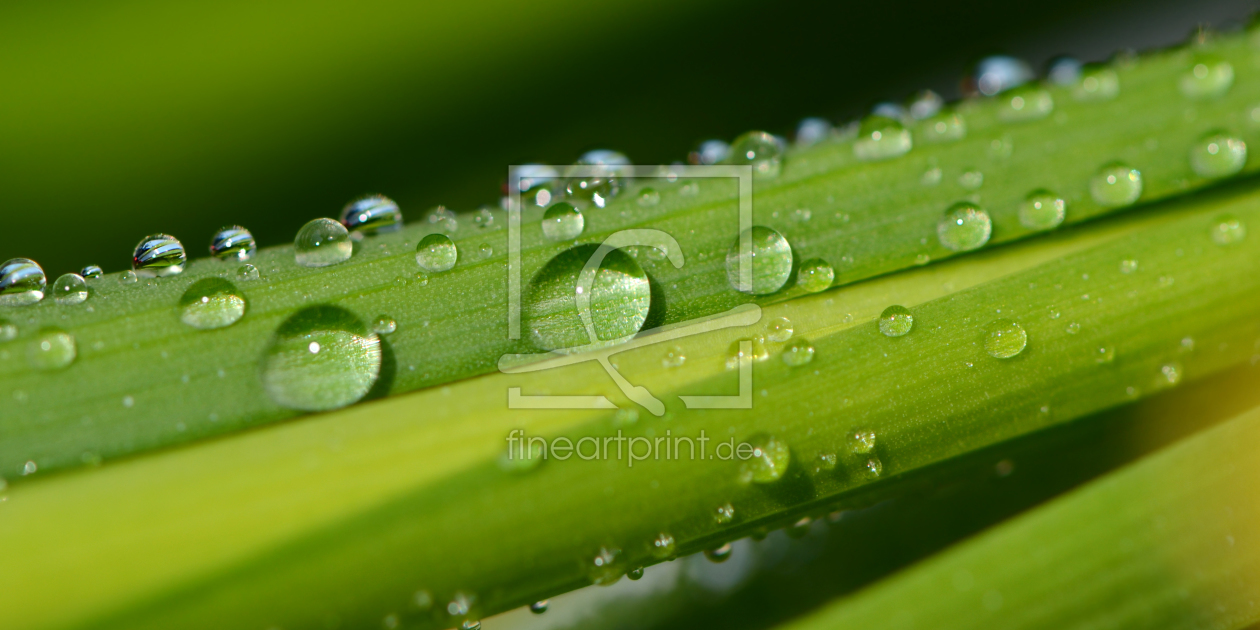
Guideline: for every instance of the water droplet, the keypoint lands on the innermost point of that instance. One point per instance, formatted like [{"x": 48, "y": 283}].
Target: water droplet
[
  {"x": 779, "y": 329},
  {"x": 8, "y": 330},
  {"x": 1000, "y": 73},
  {"x": 460, "y": 604},
  {"x": 964, "y": 227},
  {"x": 648, "y": 197},
  {"x": 1097, "y": 84},
  {"x": 384, "y": 325},
  {"x": 710, "y": 152},
  {"x": 605, "y": 566},
  {"x": 233, "y": 243},
  {"x": 1208, "y": 77},
  {"x": 895, "y": 321},
  {"x": 1171, "y": 372},
  {"x": 1073, "y": 328},
  {"x": 635, "y": 573},
  {"x": 159, "y": 255},
  {"x": 484, "y": 251},
  {"x": 768, "y": 462},
  {"x": 436, "y": 253},
  {"x": 719, "y": 554},
  {"x": 1128, "y": 265},
  {"x": 769, "y": 260},
  {"x": 1042, "y": 210},
  {"x": 946, "y": 126},
  {"x": 1228, "y": 229},
  {"x": 51, "y": 349},
  {"x": 922, "y": 259},
  {"x": 757, "y": 352},
  {"x": 971, "y": 180},
  {"x": 211, "y": 303},
  {"x": 874, "y": 467},
  {"x": 798, "y": 353},
  {"x": 619, "y": 299},
  {"x": 128, "y": 277},
  {"x": 321, "y": 358},
  {"x": 604, "y": 184},
  {"x": 673, "y": 358},
  {"x": 563, "y": 222},
  {"x": 931, "y": 177},
  {"x": 91, "y": 272},
  {"x": 538, "y": 607},
  {"x": 1218, "y": 155},
  {"x": 1064, "y": 70},
  {"x": 811, "y": 131},
  {"x": 724, "y": 514},
  {"x": 322, "y": 242},
  {"x": 1026, "y": 103},
  {"x": 1116, "y": 185},
  {"x": 443, "y": 219},
  {"x": 762, "y": 150},
  {"x": 22, "y": 282},
  {"x": 247, "y": 272},
  {"x": 1004, "y": 338},
  {"x": 862, "y": 442},
  {"x": 29, "y": 468},
  {"x": 824, "y": 462},
  {"x": 1105, "y": 354},
  {"x": 881, "y": 138},
  {"x": 925, "y": 104},
  {"x": 664, "y": 547},
  {"x": 470, "y": 624},
  {"x": 371, "y": 214},
  {"x": 70, "y": 288}
]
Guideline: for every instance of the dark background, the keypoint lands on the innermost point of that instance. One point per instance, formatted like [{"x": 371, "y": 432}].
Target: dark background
[{"x": 119, "y": 119}]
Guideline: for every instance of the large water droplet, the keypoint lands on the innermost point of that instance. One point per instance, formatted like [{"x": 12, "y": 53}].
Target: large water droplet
[
  {"x": 563, "y": 222},
  {"x": 1004, "y": 338},
  {"x": 619, "y": 299},
  {"x": 70, "y": 288},
  {"x": 1097, "y": 84},
  {"x": 769, "y": 460},
  {"x": 881, "y": 138},
  {"x": 322, "y": 242},
  {"x": 770, "y": 261},
  {"x": 91, "y": 271},
  {"x": 798, "y": 353},
  {"x": 1026, "y": 103},
  {"x": 1209, "y": 77},
  {"x": 321, "y": 358},
  {"x": 22, "y": 282},
  {"x": 815, "y": 275},
  {"x": 51, "y": 349},
  {"x": 779, "y": 329},
  {"x": 1228, "y": 229},
  {"x": 1042, "y": 210},
  {"x": 159, "y": 255},
  {"x": 436, "y": 253},
  {"x": 964, "y": 227},
  {"x": 999, "y": 73},
  {"x": 211, "y": 303},
  {"x": 372, "y": 214},
  {"x": 233, "y": 243},
  {"x": 1116, "y": 185},
  {"x": 762, "y": 150},
  {"x": 895, "y": 321},
  {"x": 1218, "y": 155},
  {"x": 946, "y": 126}
]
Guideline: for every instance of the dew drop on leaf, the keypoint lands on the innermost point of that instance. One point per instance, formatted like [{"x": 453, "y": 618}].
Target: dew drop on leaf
[
  {"x": 1228, "y": 229},
  {"x": 881, "y": 138},
  {"x": 233, "y": 243},
  {"x": 964, "y": 227},
  {"x": 1116, "y": 185},
  {"x": 798, "y": 353},
  {"x": 51, "y": 349},
  {"x": 321, "y": 358},
  {"x": 159, "y": 255},
  {"x": 371, "y": 214},
  {"x": 91, "y": 272},
  {"x": 436, "y": 253},
  {"x": 538, "y": 607},
  {"x": 761, "y": 150},
  {"x": 1004, "y": 338},
  {"x": 1218, "y": 155},
  {"x": 769, "y": 461},
  {"x": 1208, "y": 77},
  {"x": 719, "y": 554},
  {"x": 22, "y": 282},
  {"x": 1042, "y": 210},
  {"x": 562, "y": 222},
  {"x": 815, "y": 275},
  {"x": 862, "y": 442},
  {"x": 779, "y": 329},
  {"x": 211, "y": 303},
  {"x": 69, "y": 289},
  {"x": 321, "y": 243},
  {"x": 895, "y": 321},
  {"x": 769, "y": 261},
  {"x": 618, "y": 299}
]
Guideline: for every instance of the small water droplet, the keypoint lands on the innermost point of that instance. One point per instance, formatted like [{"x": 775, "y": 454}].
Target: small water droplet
[
  {"x": 70, "y": 288},
  {"x": 1228, "y": 229},
  {"x": 862, "y": 442},
  {"x": 648, "y": 197},
  {"x": 8, "y": 330},
  {"x": 1004, "y": 338},
  {"x": 1026, "y": 103},
  {"x": 384, "y": 325},
  {"x": 128, "y": 277},
  {"x": 484, "y": 251},
  {"x": 798, "y": 353},
  {"x": 719, "y": 554},
  {"x": 999, "y": 73},
  {"x": 710, "y": 152},
  {"x": 874, "y": 467},
  {"x": 971, "y": 180},
  {"x": 964, "y": 227},
  {"x": 1218, "y": 155},
  {"x": 757, "y": 352},
  {"x": 159, "y": 255},
  {"x": 1128, "y": 266},
  {"x": 824, "y": 462},
  {"x": 895, "y": 321},
  {"x": 1116, "y": 185},
  {"x": 779, "y": 329},
  {"x": 881, "y": 138},
  {"x": 321, "y": 243},
  {"x": 664, "y": 546},
  {"x": 769, "y": 460},
  {"x": 247, "y": 273},
  {"x": 436, "y": 253},
  {"x": 443, "y": 219},
  {"x": 605, "y": 566},
  {"x": 563, "y": 222},
  {"x": 724, "y": 514},
  {"x": 539, "y": 607},
  {"x": 22, "y": 282},
  {"x": 29, "y": 468},
  {"x": 1096, "y": 84},
  {"x": 233, "y": 242},
  {"x": 470, "y": 624},
  {"x": 321, "y": 358},
  {"x": 1171, "y": 372},
  {"x": 922, "y": 259},
  {"x": 211, "y": 303},
  {"x": 1042, "y": 210},
  {"x": 371, "y": 214},
  {"x": 925, "y": 104},
  {"x": 946, "y": 126},
  {"x": 770, "y": 261},
  {"x": 673, "y": 358},
  {"x": 1064, "y": 70},
  {"x": 635, "y": 573},
  {"x": 1105, "y": 354},
  {"x": 762, "y": 150},
  {"x": 1073, "y": 328},
  {"x": 91, "y": 272},
  {"x": 931, "y": 177},
  {"x": 51, "y": 349},
  {"x": 1208, "y": 77},
  {"x": 811, "y": 131}
]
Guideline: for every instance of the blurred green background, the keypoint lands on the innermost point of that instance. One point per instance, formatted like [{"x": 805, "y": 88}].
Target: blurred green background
[{"x": 123, "y": 118}]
